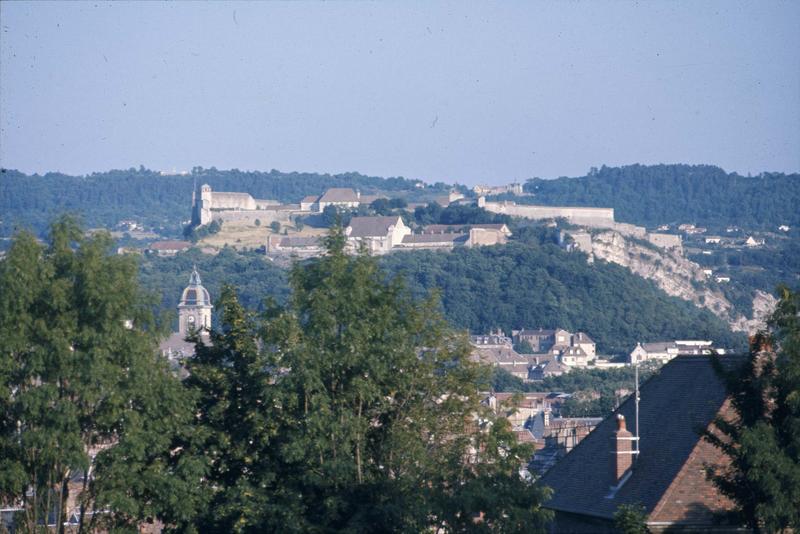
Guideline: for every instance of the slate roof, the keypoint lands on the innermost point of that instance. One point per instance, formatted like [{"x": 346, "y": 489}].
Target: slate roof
[
  {"x": 659, "y": 346},
  {"x": 435, "y": 238},
  {"x": 445, "y": 228},
  {"x": 339, "y": 194},
  {"x": 312, "y": 241},
  {"x": 580, "y": 337},
  {"x": 371, "y": 226},
  {"x": 539, "y": 332},
  {"x": 684, "y": 396}
]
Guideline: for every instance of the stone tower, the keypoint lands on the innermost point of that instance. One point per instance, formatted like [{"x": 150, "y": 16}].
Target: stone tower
[
  {"x": 201, "y": 207},
  {"x": 194, "y": 309}
]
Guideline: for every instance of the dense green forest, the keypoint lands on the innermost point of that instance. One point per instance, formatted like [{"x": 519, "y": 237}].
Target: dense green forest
[
  {"x": 161, "y": 202},
  {"x": 651, "y": 195},
  {"x": 522, "y": 284}
]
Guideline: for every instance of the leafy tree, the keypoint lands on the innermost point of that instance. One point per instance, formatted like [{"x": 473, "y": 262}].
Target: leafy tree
[
  {"x": 79, "y": 377},
  {"x": 762, "y": 438},
  {"x": 275, "y": 226},
  {"x": 359, "y": 413},
  {"x": 330, "y": 215},
  {"x": 631, "y": 519}
]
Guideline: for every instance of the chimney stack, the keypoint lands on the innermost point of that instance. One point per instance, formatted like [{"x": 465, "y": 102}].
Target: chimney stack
[{"x": 621, "y": 451}]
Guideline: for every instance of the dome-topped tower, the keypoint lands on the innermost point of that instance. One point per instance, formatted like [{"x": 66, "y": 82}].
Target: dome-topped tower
[{"x": 194, "y": 309}]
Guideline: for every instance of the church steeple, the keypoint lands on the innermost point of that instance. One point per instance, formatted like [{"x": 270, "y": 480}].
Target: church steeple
[{"x": 194, "y": 309}]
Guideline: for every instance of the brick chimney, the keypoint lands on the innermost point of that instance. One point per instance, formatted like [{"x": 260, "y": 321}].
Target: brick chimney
[{"x": 621, "y": 447}]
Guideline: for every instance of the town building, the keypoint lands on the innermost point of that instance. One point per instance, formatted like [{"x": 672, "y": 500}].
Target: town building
[
  {"x": 168, "y": 248},
  {"x": 340, "y": 197},
  {"x": 378, "y": 235},
  {"x": 572, "y": 350},
  {"x": 664, "y": 351},
  {"x": 194, "y": 316},
  {"x": 300, "y": 246},
  {"x": 664, "y": 470},
  {"x": 485, "y": 190},
  {"x": 211, "y": 205},
  {"x": 554, "y": 437}
]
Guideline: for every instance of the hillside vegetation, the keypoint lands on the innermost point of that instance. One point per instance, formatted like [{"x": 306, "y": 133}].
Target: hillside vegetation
[
  {"x": 510, "y": 286},
  {"x": 162, "y": 202},
  {"x": 667, "y": 194},
  {"x": 525, "y": 285}
]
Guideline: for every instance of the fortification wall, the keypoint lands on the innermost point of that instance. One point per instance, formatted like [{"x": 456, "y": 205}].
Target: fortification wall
[
  {"x": 250, "y": 216},
  {"x": 599, "y": 217},
  {"x": 630, "y": 230},
  {"x": 666, "y": 241},
  {"x": 228, "y": 201}
]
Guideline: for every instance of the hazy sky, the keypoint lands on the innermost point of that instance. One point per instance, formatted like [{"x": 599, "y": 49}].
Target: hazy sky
[{"x": 438, "y": 91}]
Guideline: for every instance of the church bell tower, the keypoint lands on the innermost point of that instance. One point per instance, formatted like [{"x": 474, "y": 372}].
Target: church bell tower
[{"x": 194, "y": 309}]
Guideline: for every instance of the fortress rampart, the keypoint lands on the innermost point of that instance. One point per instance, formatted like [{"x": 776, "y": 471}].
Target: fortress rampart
[{"x": 595, "y": 217}]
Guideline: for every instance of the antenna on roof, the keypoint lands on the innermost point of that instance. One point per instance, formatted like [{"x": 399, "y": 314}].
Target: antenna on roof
[{"x": 636, "y": 404}]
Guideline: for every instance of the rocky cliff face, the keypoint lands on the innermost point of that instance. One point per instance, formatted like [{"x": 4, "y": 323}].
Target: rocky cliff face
[{"x": 677, "y": 276}]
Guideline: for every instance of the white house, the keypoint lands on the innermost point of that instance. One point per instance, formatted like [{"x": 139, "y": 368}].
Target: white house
[{"x": 378, "y": 234}]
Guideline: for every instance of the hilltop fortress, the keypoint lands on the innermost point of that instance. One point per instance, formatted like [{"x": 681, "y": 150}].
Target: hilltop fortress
[
  {"x": 209, "y": 206},
  {"x": 597, "y": 218},
  {"x": 219, "y": 205},
  {"x": 227, "y": 206}
]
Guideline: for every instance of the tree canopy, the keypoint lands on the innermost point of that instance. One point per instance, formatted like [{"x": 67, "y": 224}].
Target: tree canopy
[
  {"x": 351, "y": 408},
  {"x": 651, "y": 195},
  {"x": 87, "y": 407},
  {"x": 762, "y": 435}
]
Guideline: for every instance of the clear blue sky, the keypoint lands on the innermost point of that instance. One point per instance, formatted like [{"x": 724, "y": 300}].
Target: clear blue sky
[{"x": 467, "y": 92}]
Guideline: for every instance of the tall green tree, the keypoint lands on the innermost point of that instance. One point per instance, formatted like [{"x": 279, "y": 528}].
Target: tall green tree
[
  {"x": 353, "y": 408},
  {"x": 82, "y": 390},
  {"x": 763, "y": 438}
]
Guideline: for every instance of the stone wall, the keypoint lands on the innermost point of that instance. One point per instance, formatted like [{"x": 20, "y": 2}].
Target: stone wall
[
  {"x": 666, "y": 241},
  {"x": 597, "y": 217}
]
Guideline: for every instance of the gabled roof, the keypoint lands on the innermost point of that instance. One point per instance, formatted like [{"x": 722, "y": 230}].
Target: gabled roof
[
  {"x": 683, "y": 397},
  {"x": 305, "y": 241},
  {"x": 310, "y": 199},
  {"x": 580, "y": 337},
  {"x": 339, "y": 194},
  {"x": 553, "y": 366},
  {"x": 372, "y": 226},
  {"x": 574, "y": 351},
  {"x": 659, "y": 346},
  {"x": 538, "y": 332}
]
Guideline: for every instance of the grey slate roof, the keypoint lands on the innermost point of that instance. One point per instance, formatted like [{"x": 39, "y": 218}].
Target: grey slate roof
[
  {"x": 444, "y": 228},
  {"x": 435, "y": 238},
  {"x": 371, "y": 226},
  {"x": 659, "y": 346},
  {"x": 684, "y": 396},
  {"x": 581, "y": 337},
  {"x": 538, "y": 332},
  {"x": 310, "y": 241},
  {"x": 339, "y": 194}
]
